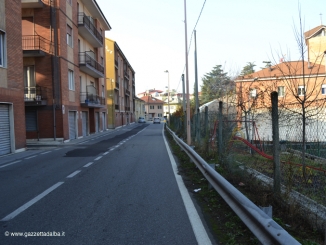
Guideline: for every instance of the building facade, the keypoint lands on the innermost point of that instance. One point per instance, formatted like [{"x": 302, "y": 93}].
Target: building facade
[
  {"x": 12, "y": 114},
  {"x": 139, "y": 108},
  {"x": 120, "y": 80},
  {"x": 153, "y": 107},
  {"x": 63, "y": 68}
]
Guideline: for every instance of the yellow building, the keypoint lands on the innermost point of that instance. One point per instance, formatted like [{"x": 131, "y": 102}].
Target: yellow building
[{"x": 120, "y": 83}]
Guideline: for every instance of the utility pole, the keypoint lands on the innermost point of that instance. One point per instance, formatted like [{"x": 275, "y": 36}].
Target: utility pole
[
  {"x": 187, "y": 79},
  {"x": 168, "y": 96},
  {"x": 196, "y": 92}
]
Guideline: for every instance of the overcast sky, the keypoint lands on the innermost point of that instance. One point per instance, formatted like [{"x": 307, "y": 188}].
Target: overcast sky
[{"x": 151, "y": 34}]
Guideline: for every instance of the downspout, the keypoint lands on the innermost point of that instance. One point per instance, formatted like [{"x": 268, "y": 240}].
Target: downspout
[{"x": 53, "y": 40}]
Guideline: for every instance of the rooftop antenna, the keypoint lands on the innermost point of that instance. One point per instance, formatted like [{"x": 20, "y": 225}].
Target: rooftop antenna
[{"x": 321, "y": 19}]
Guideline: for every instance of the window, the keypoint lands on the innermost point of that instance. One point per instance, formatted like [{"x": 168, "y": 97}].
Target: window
[
  {"x": 253, "y": 93},
  {"x": 151, "y": 107},
  {"x": 71, "y": 81},
  {"x": 159, "y": 114},
  {"x": 159, "y": 107},
  {"x": 69, "y": 1},
  {"x": 69, "y": 35},
  {"x": 2, "y": 49},
  {"x": 323, "y": 89},
  {"x": 102, "y": 91},
  {"x": 301, "y": 90},
  {"x": 29, "y": 77},
  {"x": 280, "y": 91}
]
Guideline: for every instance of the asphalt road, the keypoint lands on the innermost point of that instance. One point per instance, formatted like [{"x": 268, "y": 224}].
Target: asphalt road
[{"x": 117, "y": 188}]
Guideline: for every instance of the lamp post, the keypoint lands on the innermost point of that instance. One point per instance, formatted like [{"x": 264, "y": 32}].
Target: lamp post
[{"x": 168, "y": 95}]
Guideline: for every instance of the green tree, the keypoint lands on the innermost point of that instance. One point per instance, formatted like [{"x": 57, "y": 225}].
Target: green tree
[
  {"x": 215, "y": 84},
  {"x": 248, "y": 69}
]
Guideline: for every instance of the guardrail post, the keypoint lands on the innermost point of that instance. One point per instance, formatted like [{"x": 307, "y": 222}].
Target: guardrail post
[
  {"x": 220, "y": 131},
  {"x": 276, "y": 143}
]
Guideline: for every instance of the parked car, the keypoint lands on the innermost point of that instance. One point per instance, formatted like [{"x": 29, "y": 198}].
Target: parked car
[
  {"x": 156, "y": 120},
  {"x": 141, "y": 120}
]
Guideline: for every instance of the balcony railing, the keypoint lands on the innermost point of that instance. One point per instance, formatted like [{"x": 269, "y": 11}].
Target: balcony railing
[
  {"x": 36, "y": 95},
  {"x": 127, "y": 108},
  {"x": 35, "y": 45},
  {"x": 127, "y": 92},
  {"x": 87, "y": 29},
  {"x": 90, "y": 65},
  {"x": 91, "y": 100},
  {"x": 126, "y": 74},
  {"x": 117, "y": 85}
]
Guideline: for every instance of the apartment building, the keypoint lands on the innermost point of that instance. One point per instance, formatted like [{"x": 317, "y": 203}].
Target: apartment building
[
  {"x": 139, "y": 108},
  {"x": 297, "y": 83},
  {"x": 12, "y": 115},
  {"x": 120, "y": 80},
  {"x": 63, "y": 68},
  {"x": 153, "y": 107}
]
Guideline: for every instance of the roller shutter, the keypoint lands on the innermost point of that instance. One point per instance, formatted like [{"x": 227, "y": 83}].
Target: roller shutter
[
  {"x": 72, "y": 125},
  {"x": 5, "y": 146},
  {"x": 97, "y": 122},
  {"x": 84, "y": 123}
]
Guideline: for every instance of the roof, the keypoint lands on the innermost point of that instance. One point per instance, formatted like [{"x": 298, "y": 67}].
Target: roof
[
  {"x": 289, "y": 68},
  {"x": 151, "y": 100},
  {"x": 313, "y": 31}
]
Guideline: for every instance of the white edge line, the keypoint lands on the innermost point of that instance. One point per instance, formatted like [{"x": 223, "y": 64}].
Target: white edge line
[
  {"x": 31, "y": 202},
  {"x": 98, "y": 158},
  {"x": 9, "y": 164},
  {"x": 88, "y": 164},
  {"x": 30, "y": 157},
  {"x": 73, "y": 174},
  {"x": 105, "y": 153},
  {"x": 196, "y": 223},
  {"x": 45, "y": 152}
]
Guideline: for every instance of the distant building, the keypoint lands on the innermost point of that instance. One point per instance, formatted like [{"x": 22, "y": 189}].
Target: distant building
[
  {"x": 139, "y": 108},
  {"x": 153, "y": 107}
]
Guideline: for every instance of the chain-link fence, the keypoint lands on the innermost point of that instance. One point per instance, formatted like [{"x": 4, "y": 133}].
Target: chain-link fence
[{"x": 247, "y": 146}]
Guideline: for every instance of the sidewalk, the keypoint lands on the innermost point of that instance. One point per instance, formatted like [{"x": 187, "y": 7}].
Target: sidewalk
[{"x": 34, "y": 146}]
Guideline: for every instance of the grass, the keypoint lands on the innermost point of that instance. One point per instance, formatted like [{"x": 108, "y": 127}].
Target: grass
[{"x": 224, "y": 223}]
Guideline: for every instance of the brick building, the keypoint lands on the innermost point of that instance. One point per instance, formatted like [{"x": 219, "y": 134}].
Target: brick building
[
  {"x": 63, "y": 68},
  {"x": 12, "y": 116}
]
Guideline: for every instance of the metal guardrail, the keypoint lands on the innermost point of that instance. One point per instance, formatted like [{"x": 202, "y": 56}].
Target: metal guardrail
[{"x": 261, "y": 225}]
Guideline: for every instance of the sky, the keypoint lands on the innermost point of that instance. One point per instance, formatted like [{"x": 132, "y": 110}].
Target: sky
[{"x": 151, "y": 34}]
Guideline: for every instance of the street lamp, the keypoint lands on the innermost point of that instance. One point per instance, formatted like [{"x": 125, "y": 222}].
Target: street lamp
[{"x": 168, "y": 95}]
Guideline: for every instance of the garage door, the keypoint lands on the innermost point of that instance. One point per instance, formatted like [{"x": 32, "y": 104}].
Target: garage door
[
  {"x": 97, "y": 121},
  {"x": 84, "y": 123},
  {"x": 72, "y": 125},
  {"x": 31, "y": 120},
  {"x": 103, "y": 121},
  {"x": 5, "y": 146}
]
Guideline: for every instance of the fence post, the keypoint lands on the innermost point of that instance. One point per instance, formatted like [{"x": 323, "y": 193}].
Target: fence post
[
  {"x": 198, "y": 127},
  {"x": 220, "y": 131},
  {"x": 206, "y": 122},
  {"x": 276, "y": 143}
]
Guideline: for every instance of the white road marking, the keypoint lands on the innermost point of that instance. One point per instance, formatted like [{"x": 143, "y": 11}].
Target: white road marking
[
  {"x": 45, "y": 152},
  {"x": 105, "y": 153},
  {"x": 73, "y": 174},
  {"x": 30, "y": 157},
  {"x": 10, "y": 164},
  {"x": 31, "y": 202},
  {"x": 112, "y": 149},
  {"x": 195, "y": 221},
  {"x": 98, "y": 158},
  {"x": 88, "y": 164}
]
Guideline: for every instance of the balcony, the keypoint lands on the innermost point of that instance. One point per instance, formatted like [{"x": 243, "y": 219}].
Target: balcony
[
  {"x": 32, "y": 4},
  {"x": 36, "y": 46},
  {"x": 91, "y": 100},
  {"x": 116, "y": 85},
  {"x": 127, "y": 92},
  {"x": 127, "y": 108},
  {"x": 126, "y": 74},
  {"x": 88, "y": 31},
  {"x": 116, "y": 63},
  {"x": 35, "y": 96},
  {"x": 89, "y": 65}
]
